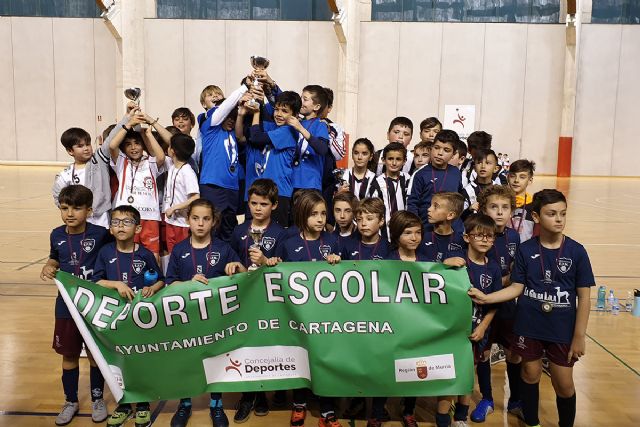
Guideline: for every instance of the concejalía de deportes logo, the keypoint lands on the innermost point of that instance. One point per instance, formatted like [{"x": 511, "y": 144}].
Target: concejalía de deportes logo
[{"x": 261, "y": 366}]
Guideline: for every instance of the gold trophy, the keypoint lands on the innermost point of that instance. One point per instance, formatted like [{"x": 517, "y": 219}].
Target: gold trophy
[
  {"x": 259, "y": 63},
  {"x": 256, "y": 235}
]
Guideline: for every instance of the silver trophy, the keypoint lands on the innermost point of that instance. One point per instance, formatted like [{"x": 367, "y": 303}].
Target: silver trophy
[
  {"x": 259, "y": 63},
  {"x": 133, "y": 93},
  {"x": 256, "y": 235},
  {"x": 338, "y": 174}
]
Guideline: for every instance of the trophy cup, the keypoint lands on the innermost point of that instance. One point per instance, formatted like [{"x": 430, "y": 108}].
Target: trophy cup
[
  {"x": 256, "y": 235},
  {"x": 133, "y": 93},
  {"x": 338, "y": 174},
  {"x": 259, "y": 63}
]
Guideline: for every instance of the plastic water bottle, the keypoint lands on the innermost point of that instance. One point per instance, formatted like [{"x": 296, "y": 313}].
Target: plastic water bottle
[
  {"x": 610, "y": 300},
  {"x": 150, "y": 277},
  {"x": 615, "y": 308},
  {"x": 628, "y": 304},
  {"x": 601, "y": 301}
]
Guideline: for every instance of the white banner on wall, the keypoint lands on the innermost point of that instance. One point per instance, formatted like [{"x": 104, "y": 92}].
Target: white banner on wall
[{"x": 460, "y": 118}]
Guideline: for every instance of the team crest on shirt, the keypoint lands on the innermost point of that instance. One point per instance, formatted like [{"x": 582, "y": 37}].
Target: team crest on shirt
[
  {"x": 485, "y": 281},
  {"x": 325, "y": 250},
  {"x": 268, "y": 243},
  {"x": 88, "y": 245},
  {"x": 148, "y": 183},
  {"x": 213, "y": 258},
  {"x": 511, "y": 247},
  {"x": 138, "y": 266},
  {"x": 564, "y": 264}
]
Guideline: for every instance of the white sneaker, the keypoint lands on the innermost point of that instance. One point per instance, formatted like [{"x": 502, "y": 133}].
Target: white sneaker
[
  {"x": 99, "y": 411},
  {"x": 459, "y": 424},
  {"x": 69, "y": 410}
]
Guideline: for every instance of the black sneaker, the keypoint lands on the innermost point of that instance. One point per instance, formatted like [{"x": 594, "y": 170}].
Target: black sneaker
[
  {"x": 356, "y": 409},
  {"x": 261, "y": 406},
  {"x": 181, "y": 417},
  {"x": 243, "y": 410},
  {"x": 279, "y": 399},
  {"x": 218, "y": 417}
]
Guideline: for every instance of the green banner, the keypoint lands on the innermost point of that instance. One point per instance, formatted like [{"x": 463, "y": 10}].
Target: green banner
[{"x": 366, "y": 328}]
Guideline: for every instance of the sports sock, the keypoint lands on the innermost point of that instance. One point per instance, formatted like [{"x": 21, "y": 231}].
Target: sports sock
[
  {"x": 530, "y": 394},
  {"x": 513, "y": 373},
  {"x": 461, "y": 413},
  {"x": 185, "y": 401},
  {"x": 96, "y": 381},
  {"x": 409, "y": 405},
  {"x": 443, "y": 420},
  {"x": 216, "y": 400},
  {"x": 566, "y": 410},
  {"x": 377, "y": 407},
  {"x": 484, "y": 379},
  {"x": 70, "y": 383}
]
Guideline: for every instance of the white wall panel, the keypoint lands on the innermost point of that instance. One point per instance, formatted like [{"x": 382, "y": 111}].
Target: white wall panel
[
  {"x": 34, "y": 87},
  {"x": 288, "y": 53},
  {"x": 503, "y": 85},
  {"x": 74, "y": 77},
  {"x": 419, "y": 72},
  {"x": 204, "y": 59},
  {"x": 105, "y": 58},
  {"x": 164, "y": 68},
  {"x": 243, "y": 39},
  {"x": 542, "y": 113},
  {"x": 596, "y": 99},
  {"x": 625, "y": 144},
  {"x": 378, "y": 79},
  {"x": 462, "y": 66},
  {"x": 323, "y": 55},
  {"x": 8, "y": 149}
]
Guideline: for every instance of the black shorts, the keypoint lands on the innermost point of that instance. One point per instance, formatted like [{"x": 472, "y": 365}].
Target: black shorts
[
  {"x": 502, "y": 333},
  {"x": 67, "y": 340}
]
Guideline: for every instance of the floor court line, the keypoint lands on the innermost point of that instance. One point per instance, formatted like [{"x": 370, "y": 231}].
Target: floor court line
[
  {"x": 614, "y": 355},
  {"x": 32, "y": 263}
]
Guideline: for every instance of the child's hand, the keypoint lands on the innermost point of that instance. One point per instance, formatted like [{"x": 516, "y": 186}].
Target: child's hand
[
  {"x": 136, "y": 119},
  {"x": 577, "y": 349},
  {"x": 125, "y": 291},
  {"x": 273, "y": 261},
  {"x": 48, "y": 272},
  {"x": 169, "y": 212},
  {"x": 148, "y": 291},
  {"x": 344, "y": 188},
  {"x": 257, "y": 93},
  {"x": 475, "y": 207},
  {"x": 454, "y": 262},
  {"x": 233, "y": 268},
  {"x": 477, "y": 334},
  {"x": 477, "y": 296},
  {"x": 294, "y": 122},
  {"x": 131, "y": 108},
  {"x": 263, "y": 77},
  {"x": 333, "y": 259},
  {"x": 200, "y": 278},
  {"x": 256, "y": 256}
]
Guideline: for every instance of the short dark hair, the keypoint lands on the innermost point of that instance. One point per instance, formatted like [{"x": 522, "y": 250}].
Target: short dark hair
[
  {"x": 132, "y": 134},
  {"x": 74, "y": 136},
  {"x": 400, "y": 221},
  {"x": 394, "y": 146},
  {"x": 479, "y": 139},
  {"x": 264, "y": 187},
  {"x": 523, "y": 165},
  {"x": 372, "y": 205},
  {"x": 107, "y": 131},
  {"x": 318, "y": 95},
  {"x": 128, "y": 210},
  {"x": 329, "y": 92},
  {"x": 447, "y": 136},
  {"x": 346, "y": 196},
  {"x": 454, "y": 200},
  {"x": 430, "y": 122},
  {"x": 401, "y": 121},
  {"x": 461, "y": 148},
  {"x": 481, "y": 222},
  {"x": 76, "y": 195},
  {"x": 483, "y": 153},
  {"x": 304, "y": 206},
  {"x": 183, "y": 146},
  {"x": 290, "y": 99},
  {"x": 545, "y": 197},
  {"x": 502, "y": 191},
  {"x": 183, "y": 112}
]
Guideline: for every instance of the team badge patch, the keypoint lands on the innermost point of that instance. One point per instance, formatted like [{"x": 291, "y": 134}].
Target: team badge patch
[
  {"x": 88, "y": 245},
  {"x": 325, "y": 250},
  {"x": 138, "y": 266},
  {"x": 564, "y": 264},
  {"x": 511, "y": 247},
  {"x": 148, "y": 183},
  {"x": 213, "y": 258},
  {"x": 485, "y": 281},
  {"x": 268, "y": 243}
]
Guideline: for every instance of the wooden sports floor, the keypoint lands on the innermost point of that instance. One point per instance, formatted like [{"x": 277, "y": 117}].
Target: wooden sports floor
[{"x": 603, "y": 215}]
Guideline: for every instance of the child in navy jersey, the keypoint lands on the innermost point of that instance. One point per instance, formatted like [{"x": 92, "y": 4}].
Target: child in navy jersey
[
  {"x": 74, "y": 248},
  {"x": 311, "y": 243},
  {"x": 344, "y": 208},
  {"x": 438, "y": 176},
  {"x": 551, "y": 272},
  {"x": 368, "y": 245},
  {"x": 498, "y": 202},
  {"x": 201, "y": 257},
  {"x": 272, "y": 148},
  {"x": 443, "y": 243},
  {"x": 359, "y": 177},
  {"x": 391, "y": 186},
  {"x": 121, "y": 266},
  {"x": 520, "y": 176},
  {"x": 486, "y": 277}
]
